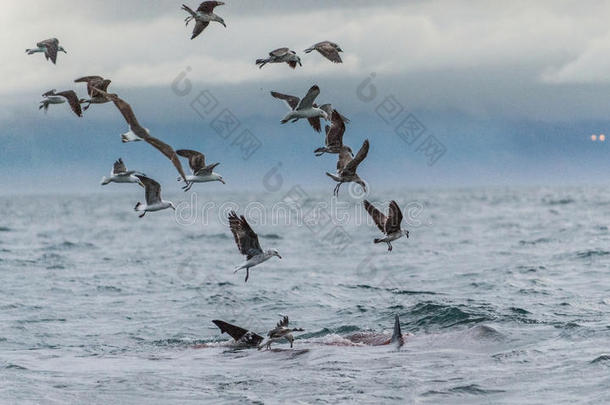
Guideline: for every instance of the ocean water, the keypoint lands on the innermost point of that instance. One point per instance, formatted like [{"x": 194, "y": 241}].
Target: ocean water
[{"x": 505, "y": 293}]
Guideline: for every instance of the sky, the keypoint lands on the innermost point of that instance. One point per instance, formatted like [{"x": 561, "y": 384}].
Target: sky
[{"x": 449, "y": 93}]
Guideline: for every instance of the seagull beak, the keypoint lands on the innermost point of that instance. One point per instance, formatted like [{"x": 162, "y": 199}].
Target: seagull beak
[{"x": 279, "y": 256}]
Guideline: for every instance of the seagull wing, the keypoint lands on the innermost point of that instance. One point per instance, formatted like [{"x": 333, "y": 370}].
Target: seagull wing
[
  {"x": 126, "y": 111},
  {"x": 72, "y": 98},
  {"x": 168, "y": 151},
  {"x": 196, "y": 159},
  {"x": 292, "y": 101},
  {"x": 245, "y": 238},
  {"x": 153, "y": 190},
  {"x": 279, "y": 52},
  {"x": 353, "y": 164},
  {"x": 315, "y": 123},
  {"x": 378, "y": 217},
  {"x": 394, "y": 218},
  {"x": 344, "y": 159},
  {"x": 207, "y": 169},
  {"x": 207, "y": 7},
  {"x": 92, "y": 82},
  {"x": 334, "y": 133},
  {"x": 329, "y": 51},
  {"x": 199, "y": 27},
  {"x": 119, "y": 167},
  {"x": 307, "y": 101},
  {"x": 51, "y": 46}
]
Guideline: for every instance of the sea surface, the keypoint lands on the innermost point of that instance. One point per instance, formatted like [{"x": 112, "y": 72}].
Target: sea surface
[{"x": 505, "y": 292}]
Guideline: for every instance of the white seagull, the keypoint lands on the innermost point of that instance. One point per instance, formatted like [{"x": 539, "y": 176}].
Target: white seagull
[
  {"x": 201, "y": 172},
  {"x": 139, "y": 133},
  {"x": 203, "y": 16},
  {"x": 247, "y": 243},
  {"x": 153, "y": 197},
  {"x": 304, "y": 108},
  {"x": 120, "y": 174},
  {"x": 328, "y": 49},
  {"x": 389, "y": 225},
  {"x": 52, "y": 97},
  {"x": 281, "y": 331},
  {"x": 334, "y": 136},
  {"x": 346, "y": 167},
  {"x": 50, "y": 47},
  {"x": 94, "y": 82},
  {"x": 281, "y": 55}
]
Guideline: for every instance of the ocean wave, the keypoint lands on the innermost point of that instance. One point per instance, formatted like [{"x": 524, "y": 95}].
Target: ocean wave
[{"x": 428, "y": 314}]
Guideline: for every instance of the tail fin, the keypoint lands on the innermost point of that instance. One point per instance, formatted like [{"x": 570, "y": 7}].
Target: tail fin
[
  {"x": 377, "y": 240},
  {"x": 238, "y": 333},
  {"x": 397, "y": 334}
]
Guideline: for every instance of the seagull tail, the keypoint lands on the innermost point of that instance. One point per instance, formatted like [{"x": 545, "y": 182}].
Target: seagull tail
[
  {"x": 44, "y": 104},
  {"x": 261, "y": 62},
  {"x": 332, "y": 176},
  {"x": 308, "y": 50},
  {"x": 377, "y": 240},
  {"x": 105, "y": 180}
]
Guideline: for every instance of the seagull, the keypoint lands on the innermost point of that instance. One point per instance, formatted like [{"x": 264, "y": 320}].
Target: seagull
[
  {"x": 390, "y": 226},
  {"x": 153, "y": 197},
  {"x": 94, "y": 82},
  {"x": 201, "y": 172},
  {"x": 139, "y": 133},
  {"x": 281, "y": 331},
  {"x": 334, "y": 136},
  {"x": 346, "y": 167},
  {"x": 247, "y": 243},
  {"x": 119, "y": 174},
  {"x": 281, "y": 55},
  {"x": 203, "y": 16},
  {"x": 50, "y": 47},
  {"x": 52, "y": 97},
  {"x": 328, "y": 49},
  {"x": 304, "y": 108}
]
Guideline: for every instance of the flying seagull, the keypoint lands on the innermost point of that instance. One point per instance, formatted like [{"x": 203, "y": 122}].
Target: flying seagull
[
  {"x": 153, "y": 197},
  {"x": 94, "y": 82},
  {"x": 304, "y": 108},
  {"x": 52, "y": 97},
  {"x": 247, "y": 243},
  {"x": 203, "y": 16},
  {"x": 281, "y": 55},
  {"x": 346, "y": 167},
  {"x": 328, "y": 49},
  {"x": 334, "y": 136},
  {"x": 281, "y": 331},
  {"x": 389, "y": 225},
  {"x": 50, "y": 47},
  {"x": 120, "y": 174},
  {"x": 139, "y": 133},
  {"x": 201, "y": 172}
]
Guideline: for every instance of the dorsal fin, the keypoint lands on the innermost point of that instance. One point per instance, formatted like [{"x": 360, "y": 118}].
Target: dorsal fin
[
  {"x": 237, "y": 333},
  {"x": 397, "y": 334}
]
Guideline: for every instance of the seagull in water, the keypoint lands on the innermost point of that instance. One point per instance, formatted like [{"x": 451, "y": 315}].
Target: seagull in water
[
  {"x": 334, "y": 136},
  {"x": 203, "y": 16},
  {"x": 50, "y": 47},
  {"x": 153, "y": 197},
  {"x": 389, "y": 225},
  {"x": 304, "y": 108},
  {"x": 52, "y": 97},
  {"x": 281, "y": 331},
  {"x": 247, "y": 243},
  {"x": 94, "y": 82},
  {"x": 281, "y": 55},
  {"x": 120, "y": 174},
  {"x": 346, "y": 167},
  {"x": 328, "y": 49},
  {"x": 201, "y": 172},
  {"x": 139, "y": 133}
]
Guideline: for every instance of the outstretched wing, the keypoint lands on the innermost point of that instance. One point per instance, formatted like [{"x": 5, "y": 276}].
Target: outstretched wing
[
  {"x": 51, "y": 46},
  {"x": 168, "y": 151},
  {"x": 394, "y": 218},
  {"x": 207, "y": 7},
  {"x": 72, "y": 98},
  {"x": 199, "y": 27},
  {"x": 283, "y": 322},
  {"x": 292, "y": 101},
  {"x": 126, "y": 111},
  {"x": 378, "y": 217},
  {"x": 92, "y": 83},
  {"x": 196, "y": 159},
  {"x": 315, "y": 123},
  {"x": 334, "y": 133},
  {"x": 310, "y": 97},
  {"x": 119, "y": 167},
  {"x": 239, "y": 334},
  {"x": 245, "y": 238},
  {"x": 344, "y": 159},
  {"x": 353, "y": 164},
  {"x": 279, "y": 52},
  {"x": 329, "y": 51},
  {"x": 153, "y": 189}
]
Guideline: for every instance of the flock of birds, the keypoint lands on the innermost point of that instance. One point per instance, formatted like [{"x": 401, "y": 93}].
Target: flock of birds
[{"x": 299, "y": 108}]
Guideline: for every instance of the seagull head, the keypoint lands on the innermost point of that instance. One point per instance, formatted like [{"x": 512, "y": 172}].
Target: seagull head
[
  {"x": 220, "y": 179},
  {"x": 274, "y": 252},
  {"x": 61, "y": 48},
  {"x": 172, "y": 206},
  {"x": 220, "y": 20}
]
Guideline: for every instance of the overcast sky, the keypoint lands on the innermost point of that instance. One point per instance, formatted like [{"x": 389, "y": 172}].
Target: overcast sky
[{"x": 468, "y": 70}]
